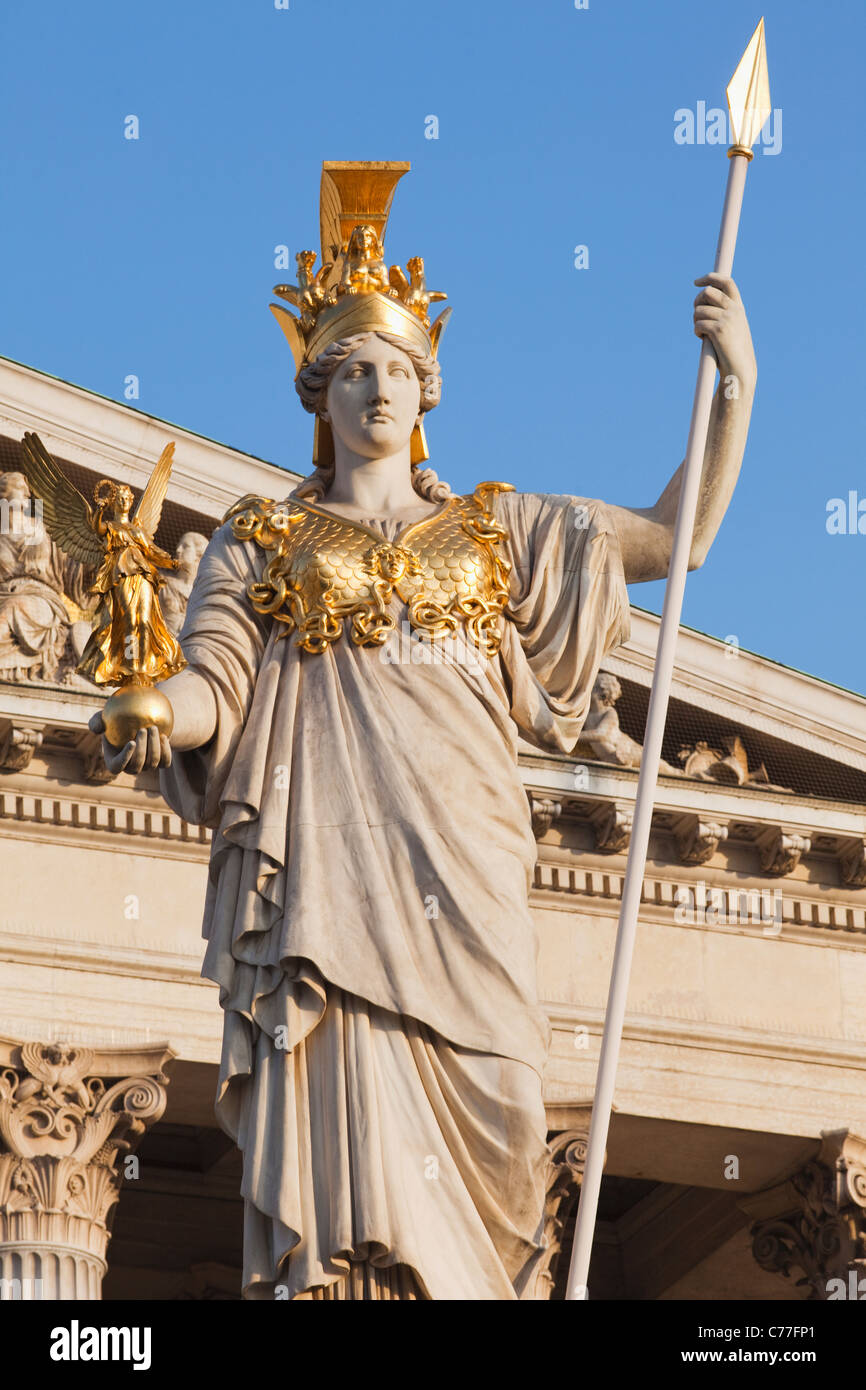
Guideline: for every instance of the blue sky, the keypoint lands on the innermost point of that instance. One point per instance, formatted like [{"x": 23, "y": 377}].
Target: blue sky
[{"x": 155, "y": 257}]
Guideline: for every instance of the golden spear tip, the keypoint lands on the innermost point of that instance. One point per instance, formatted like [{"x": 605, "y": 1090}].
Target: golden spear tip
[{"x": 748, "y": 91}]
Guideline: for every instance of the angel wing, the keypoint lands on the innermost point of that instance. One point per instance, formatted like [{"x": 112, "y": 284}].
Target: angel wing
[
  {"x": 289, "y": 292},
  {"x": 68, "y": 517},
  {"x": 398, "y": 281},
  {"x": 75, "y": 1062},
  {"x": 149, "y": 509}
]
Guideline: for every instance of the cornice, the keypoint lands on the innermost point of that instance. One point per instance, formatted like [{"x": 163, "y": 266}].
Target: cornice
[
  {"x": 109, "y": 437},
  {"x": 750, "y": 689},
  {"x": 144, "y": 963},
  {"x": 568, "y": 780},
  {"x": 713, "y": 1037},
  {"x": 814, "y": 921}
]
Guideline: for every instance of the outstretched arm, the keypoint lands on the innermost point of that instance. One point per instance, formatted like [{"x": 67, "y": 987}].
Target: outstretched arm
[
  {"x": 646, "y": 533},
  {"x": 160, "y": 557},
  {"x": 195, "y": 715},
  {"x": 223, "y": 640}
]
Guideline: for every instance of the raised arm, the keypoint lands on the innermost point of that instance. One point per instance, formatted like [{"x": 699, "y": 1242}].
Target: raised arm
[{"x": 646, "y": 533}]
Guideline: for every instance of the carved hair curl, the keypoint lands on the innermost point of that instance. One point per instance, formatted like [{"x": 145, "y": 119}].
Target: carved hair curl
[{"x": 312, "y": 386}]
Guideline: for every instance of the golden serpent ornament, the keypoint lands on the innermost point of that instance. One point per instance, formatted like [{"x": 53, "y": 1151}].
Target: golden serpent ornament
[{"x": 324, "y": 571}]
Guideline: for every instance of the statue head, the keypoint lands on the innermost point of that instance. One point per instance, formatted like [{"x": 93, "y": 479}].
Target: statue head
[
  {"x": 371, "y": 390},
  {"x": 357, "y": 299},
  {"x": 607, "y": 689},
  {"x": 123, "y": 500},
  {"x": 313, "y": 382},
  {"x": 364, "y": 245},
  {"x": 14, "y": 487},
  {"x": 189, "y": 550},
  {"x": 115, "y": 496},
  {"x": 355, "y": 375}
]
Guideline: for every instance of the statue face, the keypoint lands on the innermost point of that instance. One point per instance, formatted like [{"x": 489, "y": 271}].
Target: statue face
[
  {"x": 364, "y": 243},
  {"x": 373, "y": 399},
  {"x": 14, "y": 487},
  {"x": 190, "y": 549}
]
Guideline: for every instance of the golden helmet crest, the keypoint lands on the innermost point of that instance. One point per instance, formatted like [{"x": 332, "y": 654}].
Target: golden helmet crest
[{"x": 353, "y": 291}]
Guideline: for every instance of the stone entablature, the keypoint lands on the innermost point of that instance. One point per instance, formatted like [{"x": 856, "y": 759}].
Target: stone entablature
[
  {"x": 804, "y": 854},
  {"x": 117, "y": 441},
  {"x": 660, "y": 900},
  {"x": 733, "y": 839}
]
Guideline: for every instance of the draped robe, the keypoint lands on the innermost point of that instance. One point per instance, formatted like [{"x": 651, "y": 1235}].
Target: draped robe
[{"x": 367, "y": 917}]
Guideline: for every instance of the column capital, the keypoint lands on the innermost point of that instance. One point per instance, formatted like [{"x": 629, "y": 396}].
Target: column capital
[
  {"x": 815, "y": 1220},
  {"x": 68, "y": 1115},
  {"x": 567, "y": 1161}
]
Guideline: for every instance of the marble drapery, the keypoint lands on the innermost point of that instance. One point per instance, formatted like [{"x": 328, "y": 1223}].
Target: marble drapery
[
  {"x": 367, "y": 917},
  {"x": 36, "y": 582}
]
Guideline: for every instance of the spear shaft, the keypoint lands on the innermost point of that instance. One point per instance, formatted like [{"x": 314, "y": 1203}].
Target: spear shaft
[{"x": 740, "y": 154}]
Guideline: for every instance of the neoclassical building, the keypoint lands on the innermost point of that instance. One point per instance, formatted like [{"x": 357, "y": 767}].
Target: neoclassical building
[{"x": 736, "y": 1165}]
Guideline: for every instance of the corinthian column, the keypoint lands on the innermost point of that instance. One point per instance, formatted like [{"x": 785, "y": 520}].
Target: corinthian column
[{"x": 69, "y": 1119}]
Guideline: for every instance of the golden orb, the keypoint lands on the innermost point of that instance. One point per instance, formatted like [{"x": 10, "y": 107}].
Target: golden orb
[{"x": 133, "y": 708}]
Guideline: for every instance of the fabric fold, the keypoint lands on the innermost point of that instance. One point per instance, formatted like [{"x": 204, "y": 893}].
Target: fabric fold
[{"x": 367, "y": 915}]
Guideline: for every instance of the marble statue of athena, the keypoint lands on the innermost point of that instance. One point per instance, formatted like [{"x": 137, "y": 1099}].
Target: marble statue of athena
[{"x": 362, "y": 656}]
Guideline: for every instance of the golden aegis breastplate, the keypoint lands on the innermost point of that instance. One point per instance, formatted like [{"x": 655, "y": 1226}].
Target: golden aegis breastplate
[{"x": 324, "y": 570}]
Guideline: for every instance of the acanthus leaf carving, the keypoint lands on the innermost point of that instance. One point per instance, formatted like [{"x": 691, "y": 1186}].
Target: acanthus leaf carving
[
  {"x": 780, "y": 850},
  {"x": 18, "y": 743},
  {"x": 565, "y": 1174},
  {"x": 816, "y": 1219},
  {"x": 62, "y": 1130},
  {"x": 612, "y": 824},
  {"x": 697, "y": 840},
  {"x": 852, "y": 864},
  {"x": 544, "y": 812}
]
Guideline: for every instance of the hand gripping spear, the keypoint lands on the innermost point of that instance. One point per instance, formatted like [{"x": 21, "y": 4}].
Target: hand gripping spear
[{"x": 748, "y": 96}]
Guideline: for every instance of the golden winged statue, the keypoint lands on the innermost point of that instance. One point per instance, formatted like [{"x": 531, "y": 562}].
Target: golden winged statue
[{"x": 130, "y": 644}]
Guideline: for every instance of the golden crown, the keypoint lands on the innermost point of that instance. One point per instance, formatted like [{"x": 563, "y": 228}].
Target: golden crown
[{"x": 354, "y": 291}]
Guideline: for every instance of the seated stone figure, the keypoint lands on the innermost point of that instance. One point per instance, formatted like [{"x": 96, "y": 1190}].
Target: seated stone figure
[
  {"x": 602, "y": 739},
  {"x": 42, "y": 591}
]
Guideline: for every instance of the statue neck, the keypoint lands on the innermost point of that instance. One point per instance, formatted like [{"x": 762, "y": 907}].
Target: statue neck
[{"x": 373, "y": 487}]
